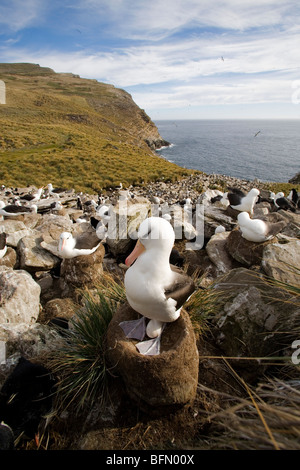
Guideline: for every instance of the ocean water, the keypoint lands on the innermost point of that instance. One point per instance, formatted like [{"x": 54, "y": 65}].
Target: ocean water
[{"x": 230, "y": 147}]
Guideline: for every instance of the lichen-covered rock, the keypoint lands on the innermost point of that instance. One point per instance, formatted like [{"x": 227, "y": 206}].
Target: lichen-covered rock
[
  {"x": 123, "y": 225},
  {"x": 160, "y": 382}
]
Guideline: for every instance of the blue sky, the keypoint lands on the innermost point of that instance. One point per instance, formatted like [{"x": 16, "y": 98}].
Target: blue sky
[{"x": 179, "y": 59}]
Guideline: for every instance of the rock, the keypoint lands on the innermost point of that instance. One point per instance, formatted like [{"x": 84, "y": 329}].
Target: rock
[
  {"x": 10, "y": 259},
  {"x": 214, "y": 216},
  {"x": 281, "y": 261},
  {"x": 82, "y": 271},
  {"x": 198, "y": 263},
  {"x": 29, "y": 340},
  {"x": 245, "y": 252},
  {"x": 295, "y": 179},
  {"x": 15, "y": 229},
  {"x": 19, "y": 296},
  {"x": 256, "y": 317},
  {"x": 33, "y": 257},
  {"x": 292, "y": 228},
  {"x": 216, "y": 250},
  {"x": 58, "y": 308},
  {"x": 157, "y": 383}
]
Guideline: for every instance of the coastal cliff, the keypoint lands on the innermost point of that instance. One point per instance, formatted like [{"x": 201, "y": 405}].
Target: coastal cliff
[{"x": 75, "y": 132}]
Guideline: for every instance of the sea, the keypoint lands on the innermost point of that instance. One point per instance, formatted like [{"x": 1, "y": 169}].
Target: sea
[{"x": 267, "y": 150}]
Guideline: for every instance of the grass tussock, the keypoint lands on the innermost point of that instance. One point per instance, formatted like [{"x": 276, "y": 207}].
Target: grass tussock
[
  {"x": 267, "y": 417},
  {"x": 80, "y": 365}
]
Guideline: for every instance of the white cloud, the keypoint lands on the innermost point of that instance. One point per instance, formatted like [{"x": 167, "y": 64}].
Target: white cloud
[
  {"x": 259, "y": 41},
  {"x": 16, "y": 15},
  {"x": 141, "y": 19}
]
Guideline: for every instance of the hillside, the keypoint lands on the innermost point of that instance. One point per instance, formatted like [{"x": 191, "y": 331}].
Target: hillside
[{"x": 75, "y": 132}]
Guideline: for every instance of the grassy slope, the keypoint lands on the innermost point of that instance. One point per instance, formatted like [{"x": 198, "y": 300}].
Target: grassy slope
[{"x": 74, "y": 132}]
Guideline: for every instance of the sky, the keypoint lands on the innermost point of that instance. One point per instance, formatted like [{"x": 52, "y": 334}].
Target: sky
[{"x": 179, "y": 59}]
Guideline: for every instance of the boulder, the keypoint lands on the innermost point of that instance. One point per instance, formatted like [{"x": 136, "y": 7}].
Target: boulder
[
  {"x": 214, "y": 216},
  {"x": 58, "y": 308},
  {"x": 292, "y": 228},
  {"x": 281, "y": 261},
  {"x": 34, "y": 340},
  {"x": 19, "y": 296},
  {"x": 157, "y": 383}
]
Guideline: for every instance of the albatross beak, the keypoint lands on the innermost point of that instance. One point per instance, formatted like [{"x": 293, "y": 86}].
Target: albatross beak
[{"x": 137, "y": 251}]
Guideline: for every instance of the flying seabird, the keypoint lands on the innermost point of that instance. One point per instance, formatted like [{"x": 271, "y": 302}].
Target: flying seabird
[{"x": 257, "y": 133}]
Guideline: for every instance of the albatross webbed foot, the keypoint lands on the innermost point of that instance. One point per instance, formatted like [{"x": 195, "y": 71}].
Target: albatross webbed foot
[
  {"x": 150, "y": 347},
  {"x": 135, "y": 329}
]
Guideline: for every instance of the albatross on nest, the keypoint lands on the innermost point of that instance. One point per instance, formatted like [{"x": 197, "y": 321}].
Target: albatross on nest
[
  {"x": 257, "y": 230},
  {"x": 81, "y": 245},
  {"x": 153, "y": 288}
]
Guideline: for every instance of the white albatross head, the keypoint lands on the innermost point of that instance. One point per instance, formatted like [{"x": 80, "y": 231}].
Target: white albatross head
[{"x": 155, "y": 235}]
